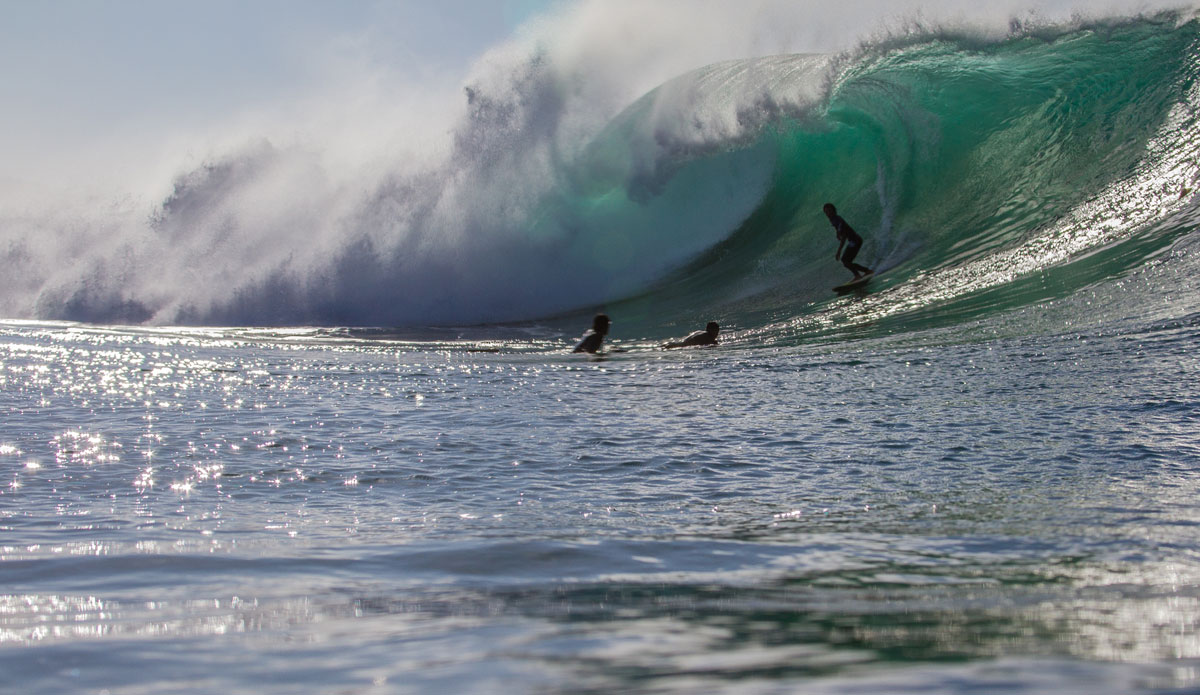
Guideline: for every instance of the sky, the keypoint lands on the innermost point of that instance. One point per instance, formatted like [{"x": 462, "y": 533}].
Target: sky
[{"x": 82, "y": 73}]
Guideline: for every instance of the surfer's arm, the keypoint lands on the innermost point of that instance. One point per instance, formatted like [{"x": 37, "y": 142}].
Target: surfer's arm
[
  {"x": 693, "y": 340},
  {"x": 837, "y": 255}
]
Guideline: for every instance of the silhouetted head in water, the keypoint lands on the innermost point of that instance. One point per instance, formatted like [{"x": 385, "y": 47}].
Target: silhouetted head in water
[{"x": 594, "y": 338}]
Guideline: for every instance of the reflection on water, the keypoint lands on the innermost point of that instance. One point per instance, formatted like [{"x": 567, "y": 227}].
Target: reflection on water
[
  {"x": 342, "y": 516},
  {"x": 672, "y": 635}
]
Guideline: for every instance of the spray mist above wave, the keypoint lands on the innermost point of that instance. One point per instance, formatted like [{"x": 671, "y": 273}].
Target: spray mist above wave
[
  {"x": 537, "y": 202},
  {"x": 516, "y": 216}
]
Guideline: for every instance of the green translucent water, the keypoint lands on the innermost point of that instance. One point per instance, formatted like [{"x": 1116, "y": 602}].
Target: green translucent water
[{"x": 971, "y": 169}]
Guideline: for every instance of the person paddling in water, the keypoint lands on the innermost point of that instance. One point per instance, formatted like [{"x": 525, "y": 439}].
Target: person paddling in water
[
  {"x": 708, "y": 336},
  {"x": 593, "y": 338},
  {"x": 847, "y": 238}
]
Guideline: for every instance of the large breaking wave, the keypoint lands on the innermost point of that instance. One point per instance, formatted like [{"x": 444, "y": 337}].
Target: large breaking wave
[{"x": 969, "y": 161}]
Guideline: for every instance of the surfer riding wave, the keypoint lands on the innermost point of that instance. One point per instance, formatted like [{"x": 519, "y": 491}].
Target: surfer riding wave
[{"x": 848, "y": 239}]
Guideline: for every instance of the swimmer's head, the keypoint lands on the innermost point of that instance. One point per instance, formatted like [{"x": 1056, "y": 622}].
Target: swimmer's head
[
  {"x": 600, "y": 323},
  {"x": 713, "y": 328}
]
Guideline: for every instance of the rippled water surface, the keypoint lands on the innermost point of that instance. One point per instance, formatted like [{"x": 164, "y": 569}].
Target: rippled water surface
[{"x": 188, "y": 511}]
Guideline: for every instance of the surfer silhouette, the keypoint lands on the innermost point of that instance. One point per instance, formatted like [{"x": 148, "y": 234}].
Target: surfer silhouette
[
  {"x": 708, "y": 336},
  {"x": 847, "y": 238},
  {"x": 594, "y": 336}
]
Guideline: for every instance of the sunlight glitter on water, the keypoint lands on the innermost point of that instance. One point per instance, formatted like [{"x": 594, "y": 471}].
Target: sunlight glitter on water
[{"x": 591, "y": 507}]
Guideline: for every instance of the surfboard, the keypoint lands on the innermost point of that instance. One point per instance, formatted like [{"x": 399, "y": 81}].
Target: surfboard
[{"x": 854, "y": 284}]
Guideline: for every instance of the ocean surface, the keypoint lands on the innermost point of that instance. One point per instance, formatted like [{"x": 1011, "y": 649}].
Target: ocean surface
[{"x": 327, "y": 471}]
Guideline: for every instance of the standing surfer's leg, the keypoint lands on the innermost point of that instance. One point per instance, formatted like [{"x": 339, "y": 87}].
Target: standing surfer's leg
[{"x": 848, "y": 261}]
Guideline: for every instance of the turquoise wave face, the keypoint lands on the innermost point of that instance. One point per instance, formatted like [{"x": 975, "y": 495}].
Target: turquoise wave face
[{"x": 984, "y": 176}]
